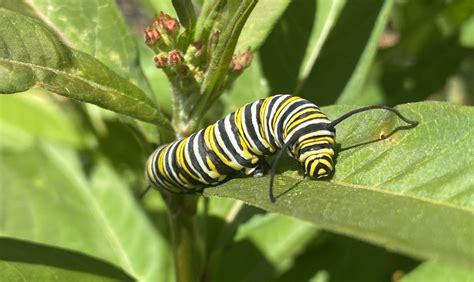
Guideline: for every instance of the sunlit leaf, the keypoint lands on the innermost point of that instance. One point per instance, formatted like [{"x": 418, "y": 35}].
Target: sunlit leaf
[
  {"x": 32, "y": 56},
  {"x": 396, "y": 192}
]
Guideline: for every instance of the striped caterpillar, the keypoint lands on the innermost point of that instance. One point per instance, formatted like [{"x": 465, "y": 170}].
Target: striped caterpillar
[{"x": 241, "y": 140}]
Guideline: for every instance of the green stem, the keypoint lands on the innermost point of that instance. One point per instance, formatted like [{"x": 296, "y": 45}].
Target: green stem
[{"x": 187, "y": 244}]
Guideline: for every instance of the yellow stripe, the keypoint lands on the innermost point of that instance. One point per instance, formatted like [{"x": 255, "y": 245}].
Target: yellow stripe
[
  {"x": 214, "y": 173},
  {"x": 327, "y": 163},
  {"x": 215, "y": 149},
  {"x": 301, "y": 120},
  {"x": 313, "y": 167},
  {"x": 298, "y": 114},
  {"x": 182, "y": 159},
  {"x": 150, "y": 170},
  {"x": 243, "y": 140},
  {"x": 161, "y": 162},
  {"x": 263, "y": 120},
  {"x": 281, "y": 107}
]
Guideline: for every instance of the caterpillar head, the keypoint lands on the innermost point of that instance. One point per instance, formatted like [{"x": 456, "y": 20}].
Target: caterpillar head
[
  {"x": 319, "y": 164},
  {"x": 317, "y": 157},
  {"x": 316, "y": 154}
]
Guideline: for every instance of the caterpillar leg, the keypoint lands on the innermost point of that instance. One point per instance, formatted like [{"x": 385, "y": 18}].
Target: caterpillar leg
[{"x": 259, "y": 170}]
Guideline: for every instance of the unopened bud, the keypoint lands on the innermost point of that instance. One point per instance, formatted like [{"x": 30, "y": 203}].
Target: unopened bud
[
  {"x": 195, "y": 49},
  {"x": 161, "y": 60},
  {"x": 167, "y": 24},
  {"x": 175, "y": 57},
  {"x": 152, "y": 36},
  {"x": 241, "y": 61}
]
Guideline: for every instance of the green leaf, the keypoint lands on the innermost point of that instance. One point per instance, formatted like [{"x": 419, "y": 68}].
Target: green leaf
[
  {"x": 435, "y": 272},
  {"x": 269, "y": 243},
  {"x": 396, "y": 192},
  {"x": 32, "y": 56},
  {"x": 157, "y": 6},
  {"x": 24, "y": 118},
  {"x": 93, "y": 27},
  {"x": 428, "y": 52},
  {"x": 299, "y": 37},
  {"x": 219, "y": 63},
  {"x": 260, "y": 22},
  {"x": 186, "y": 14},
  {"x": 339, "y": 258},
  {"x": 28, "y": 261},
  {"x": 344, "y": 61},
  {"x": 467, "y": 33},
  {"x": 99, "y": 217}
]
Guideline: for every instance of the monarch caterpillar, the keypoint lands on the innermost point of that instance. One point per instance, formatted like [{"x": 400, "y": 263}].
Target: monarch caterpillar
[{"x": 241, "y": 140}]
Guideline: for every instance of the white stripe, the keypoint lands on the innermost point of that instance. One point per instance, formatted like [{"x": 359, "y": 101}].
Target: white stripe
[
  {"x": 307, "y": 123},
  {"x": 269, "y": 126},
  {"x": 234, "y": 164},
  {"x": 247, "y": 135},
  {"x": 172, "y": 154},
  {"x": 155, "y": 172},
  {"x": 255, "y": 124},
  {"x": 198, "y": 157},
  {"x": 283, "y": 114},
  {"x": 232, "y": 137},
  {"x": 297, "y": 110},
  {"x": 190, "y": 163}
]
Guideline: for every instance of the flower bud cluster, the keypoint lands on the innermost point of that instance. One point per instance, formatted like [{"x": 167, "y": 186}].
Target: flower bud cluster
[{"x": 186, "y": 62}]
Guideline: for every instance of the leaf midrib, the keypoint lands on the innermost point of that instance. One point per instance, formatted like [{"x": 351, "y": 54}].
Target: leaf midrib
[{"x": 403, "y": 195}]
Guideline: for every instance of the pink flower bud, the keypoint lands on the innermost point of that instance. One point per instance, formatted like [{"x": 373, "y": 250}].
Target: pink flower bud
[
  {"x": 161, "y": 60},
  {"x": 241, "y": 61},
  {"x": 175, "y": 57},
  {"x": 152, "y": 36},
  {"x": 167, "y": 24}
]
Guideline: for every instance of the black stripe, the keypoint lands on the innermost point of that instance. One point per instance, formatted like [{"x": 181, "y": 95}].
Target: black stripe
[
  {"x": 287, "y": 111},
  {"x": 227, "y": 142},
  {"x": 195, "y": 162},
  {"x": 314, "y": 148},
  {"x": 252, "y": 130},
  {"x": 204, "y": 151}
]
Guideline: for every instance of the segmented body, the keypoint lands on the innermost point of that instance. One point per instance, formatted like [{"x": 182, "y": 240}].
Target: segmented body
[{"x": 241, "y": 140}]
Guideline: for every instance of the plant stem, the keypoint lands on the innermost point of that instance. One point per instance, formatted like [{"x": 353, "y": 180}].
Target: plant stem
[{"x": 187, "y": 244}]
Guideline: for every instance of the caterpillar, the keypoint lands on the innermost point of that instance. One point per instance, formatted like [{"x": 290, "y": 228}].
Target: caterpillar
[{"x": 240, "y": 141}]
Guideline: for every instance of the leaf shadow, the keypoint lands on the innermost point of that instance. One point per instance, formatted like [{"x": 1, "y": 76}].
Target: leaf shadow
[
  {"x": 15, "y": 250},
  {"x": 382, "y": 138}
]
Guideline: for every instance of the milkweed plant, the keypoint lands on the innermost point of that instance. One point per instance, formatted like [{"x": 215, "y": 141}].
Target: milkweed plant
[{"x": 90, "y": 89}]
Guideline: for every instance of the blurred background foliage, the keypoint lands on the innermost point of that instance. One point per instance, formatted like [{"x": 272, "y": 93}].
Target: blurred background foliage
[{"x": 79, "y": 217}]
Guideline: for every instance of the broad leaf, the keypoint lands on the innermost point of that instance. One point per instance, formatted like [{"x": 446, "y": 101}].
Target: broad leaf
[
  {"x": 296, "y": 41},
  {"x": 260, "y": 22},
  {"x": 32, "y": 56},
  {"x": 435, "y": 272},
  {"x": 396, "y": 192},
  {"x": 269, "y": 243},
  {"x": 47, "y": 199},
  {"x": 156, "y": 6},
  {"x": 28, "y": 261},
  {"x": 27, "y": 117},
  {"x": 344, "y": 60},
  {"x": 333, "y": 257},
  {"x": 93, "y": 27}
]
